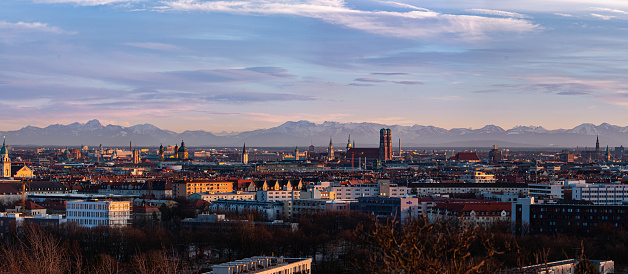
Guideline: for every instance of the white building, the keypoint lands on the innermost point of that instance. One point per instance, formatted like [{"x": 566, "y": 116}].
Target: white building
[
  {"x": 277, "y": 195},
  {"x": 352, "y": 192},
  {"x": 601, "y": 194},
  {"x": 265, "y": 265},
  {"x": 272, "y": 210},
  {"x": 552, "y": 190},
  {"x": 91, "y": 213}
]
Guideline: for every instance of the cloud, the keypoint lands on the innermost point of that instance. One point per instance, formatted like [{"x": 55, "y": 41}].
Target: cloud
[
  {"x": 603, "y": 17},
  {"x": 86, "y": 2},
  {"x": 390, "y": 73},
  {"x": 563, "y": 14},
  {"x": 559, "y": 89},
  {"x": 153, "y": 46},
  {"x": 246, "y": 75},
  {"x": 498, "y": 13},
  {"x": 611, "y": 10},
  {"x": 418, "y": 23},
  {"x": 361, "y": 85},
  {"x": 21, "y": 27},
  {"x": 619, "y": 98},
  {"x": 409, "y": 82},
  {"x": 372, "y": 80},
  {"x": 274, "y": 71},
  {"x": 238, "y": 97}
]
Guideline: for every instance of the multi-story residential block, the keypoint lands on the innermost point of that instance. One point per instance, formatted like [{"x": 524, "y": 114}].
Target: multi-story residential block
[
  {"x": 473, "y": 213},
  {"x": 400, "y": 208},
  {"x": 184, "y": 189},
  {"x": 478, "y": 177},
  {"x": 430, "y": 189},
  {"x": 551, "y": 190},
  {"x": 7, "y": 220},
  {"x": 530, "y": 217},
  {"x": 352, "y": 192},
  {"x": 265, "y": 265},
  {"x": 601, "y": 194},
  {"x": 271, "y": 210},
  {"x": 277, "y": 195},
  {"x": 210, "y": 196},
  {"x": 91, "y": 213}
]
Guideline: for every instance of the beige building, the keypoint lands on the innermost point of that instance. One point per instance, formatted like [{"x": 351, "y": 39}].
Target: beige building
[{"x": 184, "y": 189}]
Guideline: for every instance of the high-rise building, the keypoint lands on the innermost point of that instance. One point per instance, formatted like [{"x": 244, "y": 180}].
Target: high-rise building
[{"x": 385, "y": 144}]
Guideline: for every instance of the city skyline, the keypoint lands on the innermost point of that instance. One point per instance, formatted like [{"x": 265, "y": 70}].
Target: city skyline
[{"x": 238, "y": 66}]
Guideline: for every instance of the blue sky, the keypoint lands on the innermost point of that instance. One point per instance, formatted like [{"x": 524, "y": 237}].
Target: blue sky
[{"x": 243, "y": 65}]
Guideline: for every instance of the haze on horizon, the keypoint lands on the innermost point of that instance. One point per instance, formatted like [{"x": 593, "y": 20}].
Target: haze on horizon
[{"x": 238, "y": 66}]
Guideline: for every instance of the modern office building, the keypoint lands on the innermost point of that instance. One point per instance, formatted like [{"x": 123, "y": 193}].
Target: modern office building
[{"x": 91, "y": 213}]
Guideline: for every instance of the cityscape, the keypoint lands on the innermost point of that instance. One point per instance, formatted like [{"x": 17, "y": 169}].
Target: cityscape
[
  {"x": 313, "y": 136},
  {"x": 202, "y": 209}
]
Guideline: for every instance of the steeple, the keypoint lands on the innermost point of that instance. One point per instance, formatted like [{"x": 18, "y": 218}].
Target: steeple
[
  {"x": 245, "y": 155},
  {"x": 330, "y": 151},
  {"x": 349, "y": 146},
  {"x": 6, "y": 162},
  {"x": 597, "y": 144}
]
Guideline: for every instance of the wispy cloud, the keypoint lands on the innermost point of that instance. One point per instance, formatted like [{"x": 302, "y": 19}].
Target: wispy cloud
[
  {"x": 153, "y": 46},
  {"x": 29, "y": 27},
  {"x": 412, "y": 24},
  {"x": 563, "y": 14},
  {"x": 408, "y": 82},
  {"x": 390, "y": 73},
  {"x": 611, "y": 10},
  {"x": 86, "y": 2},
  {"x": 558, "y": 88},
  {"x": 372, "y": 80},
  {"x": 499, "y": 13},
  {"x": 603, "y": 17}
]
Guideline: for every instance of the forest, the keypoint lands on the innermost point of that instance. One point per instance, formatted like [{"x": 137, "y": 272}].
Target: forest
[{"x": 337, "y": 242}]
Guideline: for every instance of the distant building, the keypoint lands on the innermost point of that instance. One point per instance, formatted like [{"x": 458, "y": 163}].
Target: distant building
[
  {"x": 478, "y": 177},
  {"x": 245, "y": 155},
  {"x": 399, "y": 208},
  {"x": 385, "y": 144},
  {"x": 6, "y": 161},
  {"x": 184, "y": 189},
  {"x": 540, "y": 218},
  {"x": 474, "y": 213},
  {"x": 330, "y": 151},
  {"x": 495, "y": 155},
  {"x": 466, "y": 157},
  {"x": 91, "y": 213},
  {"x": 265, "y": 265}
]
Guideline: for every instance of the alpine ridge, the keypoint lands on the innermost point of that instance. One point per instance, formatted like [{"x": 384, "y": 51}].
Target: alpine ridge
[{"x": 304, "y": 133}]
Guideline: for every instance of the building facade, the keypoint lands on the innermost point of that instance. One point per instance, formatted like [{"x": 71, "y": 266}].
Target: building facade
[{"x": 91, "y": 213}]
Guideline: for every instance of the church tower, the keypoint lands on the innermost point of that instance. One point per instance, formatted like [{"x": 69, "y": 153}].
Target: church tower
[
  {"x": 161, "y": 152},
  {"x": 183, "y": 152},
  {"x": 6, "y": 162},
  {"x": 349, "y": 146},
  {"x": 330, "y": 151},
  {"x": 245, "y": 155}
]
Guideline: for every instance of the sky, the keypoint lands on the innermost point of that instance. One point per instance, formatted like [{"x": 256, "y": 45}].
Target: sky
[{"x": 230, "y": 66}]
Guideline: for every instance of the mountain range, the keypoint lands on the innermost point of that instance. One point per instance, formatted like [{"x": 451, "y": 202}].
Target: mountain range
[{"x": 304, "y": 133}]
